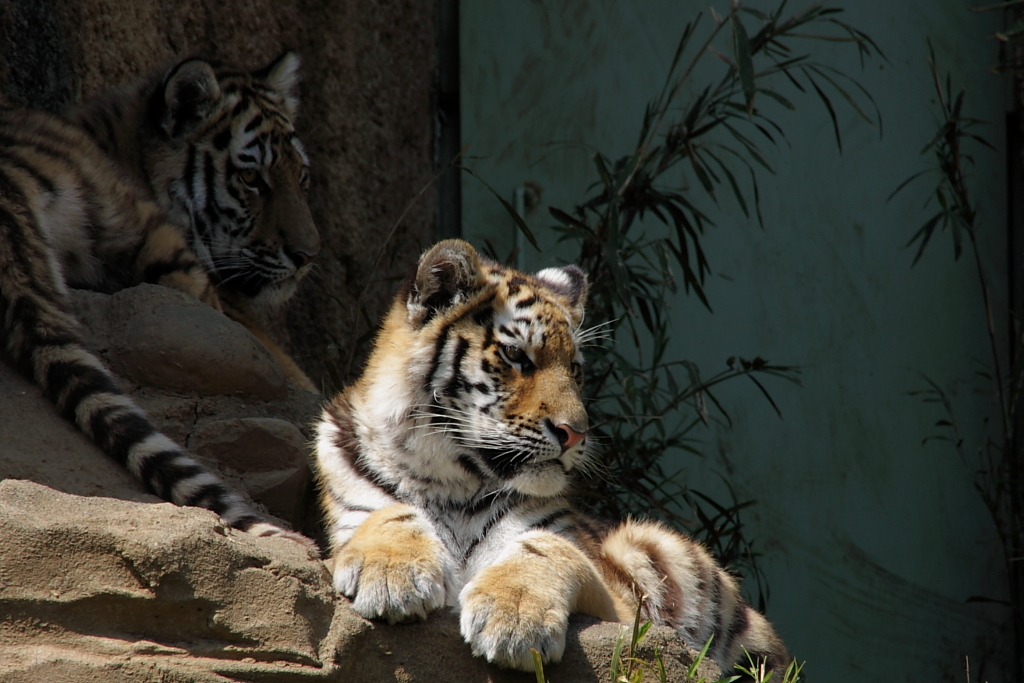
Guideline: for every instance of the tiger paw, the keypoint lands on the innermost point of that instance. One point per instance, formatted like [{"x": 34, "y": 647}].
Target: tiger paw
[
  {"x": 503, "y": 619},
  {"x": 394, "y": 567}
]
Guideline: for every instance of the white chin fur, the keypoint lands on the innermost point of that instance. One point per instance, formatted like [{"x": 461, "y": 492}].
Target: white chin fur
[
  {"x": 274, "y": 295},
  {"x": 545, "y": 481}
]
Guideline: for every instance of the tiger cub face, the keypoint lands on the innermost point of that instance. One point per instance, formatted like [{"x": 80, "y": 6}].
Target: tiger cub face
[
  {"x": 224, "y": 159},
  {"x": 497, "y": 354}
]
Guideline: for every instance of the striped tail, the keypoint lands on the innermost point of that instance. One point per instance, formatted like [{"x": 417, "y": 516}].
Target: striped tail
[
  {"x": 42, "y": 339},
  {"x": 683, "y": 587}
]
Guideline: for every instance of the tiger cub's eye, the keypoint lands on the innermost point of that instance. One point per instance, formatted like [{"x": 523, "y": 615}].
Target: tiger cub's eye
[
  {"x": 250, "y": 177},
  {"x": 513, "y": 355}
]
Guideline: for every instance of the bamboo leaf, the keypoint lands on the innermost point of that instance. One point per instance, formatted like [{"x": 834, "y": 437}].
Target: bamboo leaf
[
  {"x": 702, "y": 175},
  {"x": 757, "y": 198},
  {"x": 732, "y": 183},
  {"x": 846, "y": 96},
  {"x": 565, "y": 219},
  {"x": 645, "y": 313},
  {"x": 751, "y": 148},
  {"x": 766, "y": 395},
  {"x": 831, "y": 110},
  {"x": 778, "y": 98},
  {"x": 982, "y": 141},
  {"x": 1012, "y": 31},
  {"x": 517, "y": 219},
  {"x": 924, "y": 233},
  {"x": 696, "y": 109},
  {"x": 602, "y": 169},
  {"x": 863, "y": 41},
  {"x": 958, "y": 237},
  {"x": 907, "y": 182},
  {"x": 744, "y": 64},
  {"x": 940, "y": 134}
]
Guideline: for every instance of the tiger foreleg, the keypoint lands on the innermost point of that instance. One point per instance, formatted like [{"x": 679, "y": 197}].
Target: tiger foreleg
[
  {"x": 523, "y": 601},
  {"x": 165, "y": 258},
  {"x": 394, "y": 566}
]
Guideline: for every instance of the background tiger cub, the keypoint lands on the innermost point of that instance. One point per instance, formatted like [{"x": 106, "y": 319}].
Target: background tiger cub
[
  {"x": 194, "y": 180},
  {"x": 216, "y": 147},
  {"x": 444, "y": 472}
]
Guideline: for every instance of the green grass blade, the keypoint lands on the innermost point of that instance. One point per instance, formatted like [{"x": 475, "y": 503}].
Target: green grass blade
[{"x": 538, "y": 665}]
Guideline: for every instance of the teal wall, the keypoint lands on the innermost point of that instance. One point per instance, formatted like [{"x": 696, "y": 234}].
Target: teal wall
[{"x": 872, "y": 541}]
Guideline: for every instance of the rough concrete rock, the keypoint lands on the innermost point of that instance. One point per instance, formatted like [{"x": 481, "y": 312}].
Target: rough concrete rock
[
  {"x": 38, "y": 445},
  {"x": 129, "y": 591},
  {"x": 162, "y": 338},
  {"x": 272, "y": 456},
  {"x": 250, "y": 444},
  {"x": 94, "y": 589},
  {"x": 259, "y": 446}
]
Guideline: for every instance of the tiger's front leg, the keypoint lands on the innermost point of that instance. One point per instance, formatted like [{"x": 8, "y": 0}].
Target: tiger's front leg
[
  {"x": 523, "y": 601},
  {"x": 134, "y": 225},
  {"x": 394, "y": 566},
  {"x": 166, "y": 259}
]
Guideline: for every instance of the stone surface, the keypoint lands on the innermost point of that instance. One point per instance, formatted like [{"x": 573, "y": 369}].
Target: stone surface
[
  {"x": 271, "y": 455},
  {"x": 259, "y": 455},
  {"x": 164, "y": 339},
  {"x": 94, "y": 589},
  {"x": 128, "y": 590},
  {"x": 250, "y": 444},
  {"x": 38, "y": 445}
]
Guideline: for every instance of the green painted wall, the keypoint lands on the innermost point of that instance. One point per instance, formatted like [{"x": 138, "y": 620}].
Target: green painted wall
[{"x": 872, "y": 542}]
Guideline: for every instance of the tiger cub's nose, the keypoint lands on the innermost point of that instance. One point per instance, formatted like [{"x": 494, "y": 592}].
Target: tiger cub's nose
[
  {"x": 299, "y": 258},
  {"x": 568, "y": 437}
]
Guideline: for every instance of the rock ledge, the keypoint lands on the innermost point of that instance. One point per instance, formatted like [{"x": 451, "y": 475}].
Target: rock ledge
[{"x": 94, "y": 589}]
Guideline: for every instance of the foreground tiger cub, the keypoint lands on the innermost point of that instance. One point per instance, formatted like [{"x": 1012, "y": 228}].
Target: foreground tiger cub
[
  {"x": 444, "y": 472},
  {"x": 192, "y": 179}
]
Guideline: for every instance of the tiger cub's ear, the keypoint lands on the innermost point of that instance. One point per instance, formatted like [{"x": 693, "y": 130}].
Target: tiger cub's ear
[
  {"x": 569, "y": 282},
  {"x": 282, "y": 76},
  {"x": 191, "y": 93},
  {"x": 447, "y": 274}
]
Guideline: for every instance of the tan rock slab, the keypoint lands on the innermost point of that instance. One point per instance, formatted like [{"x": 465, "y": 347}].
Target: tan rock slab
[
  {"x": 161, "y": 338},
  {"x": 270, "y": 455},
  {"x": 251, "y": 444},
  {"x": 95, "y": 589},
  {"x": 38, "y": 444}
]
